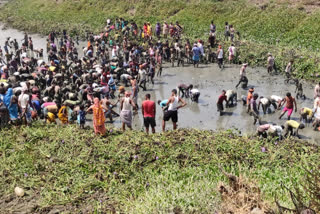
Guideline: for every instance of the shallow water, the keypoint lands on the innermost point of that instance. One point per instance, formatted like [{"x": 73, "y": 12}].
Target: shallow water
[{"x": 210, "y": 80}]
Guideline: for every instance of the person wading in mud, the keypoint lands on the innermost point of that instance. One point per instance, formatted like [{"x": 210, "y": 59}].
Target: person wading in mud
[
  {"x": 221, "y": 98},
  {"x": 172, "y": 113},
  {"x": 291, "y": 105},
  {"x": 220, "y": 56},
  {"x": 270, "y": 63},
  {"x": 243, "y": 76}
]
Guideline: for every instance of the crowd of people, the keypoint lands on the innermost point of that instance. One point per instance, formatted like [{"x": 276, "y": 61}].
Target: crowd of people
[{"x": 113, "y": 68}]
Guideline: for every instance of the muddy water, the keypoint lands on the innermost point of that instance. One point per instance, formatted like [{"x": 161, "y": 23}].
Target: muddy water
[{"x": 210, "y": 80}]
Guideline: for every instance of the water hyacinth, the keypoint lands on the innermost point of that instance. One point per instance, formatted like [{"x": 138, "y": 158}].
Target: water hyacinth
[
  {"x": 25, "y": 174},
  {"x": 263, "y": 149},
  {"x": 157, "y": 158}
]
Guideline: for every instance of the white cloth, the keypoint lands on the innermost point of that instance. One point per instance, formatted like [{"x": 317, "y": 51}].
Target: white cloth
[
  {"x": 264, "y": 101},
  {"x": 143, "y": 74},
  {"x": 24, "y": 99},
  {"x": 276, "y": 98},
  {"x": 220, "y": 55},
  {"x": 232, "y": 51}
]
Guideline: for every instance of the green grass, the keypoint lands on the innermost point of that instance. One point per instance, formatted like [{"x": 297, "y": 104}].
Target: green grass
[{"x": 135, "y": 173}]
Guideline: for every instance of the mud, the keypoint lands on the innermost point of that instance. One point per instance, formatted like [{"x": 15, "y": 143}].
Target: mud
[{"x": 210, "y": 80}]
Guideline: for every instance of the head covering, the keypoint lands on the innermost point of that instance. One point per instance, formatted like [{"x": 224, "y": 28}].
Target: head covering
[
  {"x": 245, "y": 64},
  {"x": 121, "y": 88}
]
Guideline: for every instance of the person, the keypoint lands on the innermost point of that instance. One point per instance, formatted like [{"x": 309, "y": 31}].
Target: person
[
  {"x": 262, "y": 130},
  {"x": 212, "y": 27},
  {"x": 63, "y": 113},
  {"x": 125, "y": 78},
  {"x": 288, "y": 69},
  {"x": 265, "y": 103},
  {"x": 185, "y": 90},
  {"x": 253, "y": 109},
  {"x": 13, "y": 109},
  {"x": 172, "y": 113},
  {"x": 149, "y": 113},
  {"x": 50, "y": 118},
  {"x": 290, "y": 105},
  {"x": 275, "y": 131},
  {"x": 220, "y": 56},
  {"x": 196, "y": 52},
  {"x": 220, "y": 100},
  {"x": 23, "y": 102},
  {"x": 246, "y": 100},
  {"x": 276, "y": 101},
  {"x": 126, "y": 112},
  {"x": 317, "y": 91},
  {"x": 243, "y": 76},
  {"x": 163, "y": 104},
  {"x": 98, "y": 117},
  {"x": 299, "y": 90},
  {"x": 270, "y": 63},
  {"x": 231, "y": 98},
  {"x": 109, "y": 105},
  {"x": 226, "y": 31},
  {"x": 142, "y": 78},
  {"x": 232, "y": 53},
  {"x": 81, "y": 117},
  {"x": 306, "y": 114},
  {"x": 316, "y": 114},
  {"x": 194, "y": 94},
  {"x": 291, "y": 128}
]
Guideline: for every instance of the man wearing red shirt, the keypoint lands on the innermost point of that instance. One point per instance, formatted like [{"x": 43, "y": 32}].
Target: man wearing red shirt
[
  {"x": 221, "y": 98},
  {"x": 149, "y": 113}
]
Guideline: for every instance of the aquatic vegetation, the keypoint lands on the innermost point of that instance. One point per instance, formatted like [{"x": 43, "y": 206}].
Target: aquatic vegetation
[{"x": 65, "y": 168}]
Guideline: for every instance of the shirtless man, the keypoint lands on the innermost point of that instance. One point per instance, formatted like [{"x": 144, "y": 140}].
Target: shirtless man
[
  {"x": 185, "y": 90},
  {"x": 243, "y": 76},
  {"x": 290, "y": 105},
  {"x": 109, "y": 105},
  {"x": 172, "y": 113},
  {"x": 270, "y": 63}
]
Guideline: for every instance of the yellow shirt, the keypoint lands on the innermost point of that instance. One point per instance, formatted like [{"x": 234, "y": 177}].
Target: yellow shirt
[
  {"x": 293, "y": 124},
  {"x": 51, "y": 118},
  {"x": 308, "y": 111}
]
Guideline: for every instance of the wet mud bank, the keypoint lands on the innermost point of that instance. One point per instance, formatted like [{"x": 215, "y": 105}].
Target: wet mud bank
[{"x": 210, "y": 80}]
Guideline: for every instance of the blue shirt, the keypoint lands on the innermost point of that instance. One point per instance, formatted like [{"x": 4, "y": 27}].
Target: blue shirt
[{"x": 163, "y": 103}]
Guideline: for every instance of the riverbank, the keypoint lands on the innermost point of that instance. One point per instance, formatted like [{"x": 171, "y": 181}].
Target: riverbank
[
  {"x": 62, "y": 168},
  {"x": 286, "y": 32}
]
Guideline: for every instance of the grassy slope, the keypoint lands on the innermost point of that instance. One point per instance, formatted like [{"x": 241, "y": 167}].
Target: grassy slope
[
  {"x": 65, "y": 167},
  {"x": 278, "y": 28}
]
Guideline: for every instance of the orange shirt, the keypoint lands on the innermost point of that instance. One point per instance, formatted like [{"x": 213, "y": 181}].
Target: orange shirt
[{"x": 249, "y": 97}]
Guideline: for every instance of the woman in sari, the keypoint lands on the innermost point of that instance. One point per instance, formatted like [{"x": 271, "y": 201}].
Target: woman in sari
[
  {"x": 98, "y": 117},
  {"x": 63, "y": 114}
]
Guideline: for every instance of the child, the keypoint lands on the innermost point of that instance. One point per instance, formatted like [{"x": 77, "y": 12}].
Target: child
[{"x": 81, "y": 117}]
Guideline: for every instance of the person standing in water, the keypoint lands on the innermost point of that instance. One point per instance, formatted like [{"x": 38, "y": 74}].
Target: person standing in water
[
  {"x": 172, "y": 113},
  {"x": 149, "y": 113},
  {"x": 126, "y": 112},
  {"x": 220, "y": 56},
  {"x": 243, "y": 76},
  {"x": 221, "y": 98},
  {"x": 270, "y": 63},
  {"x": 290, "y": 105}
]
